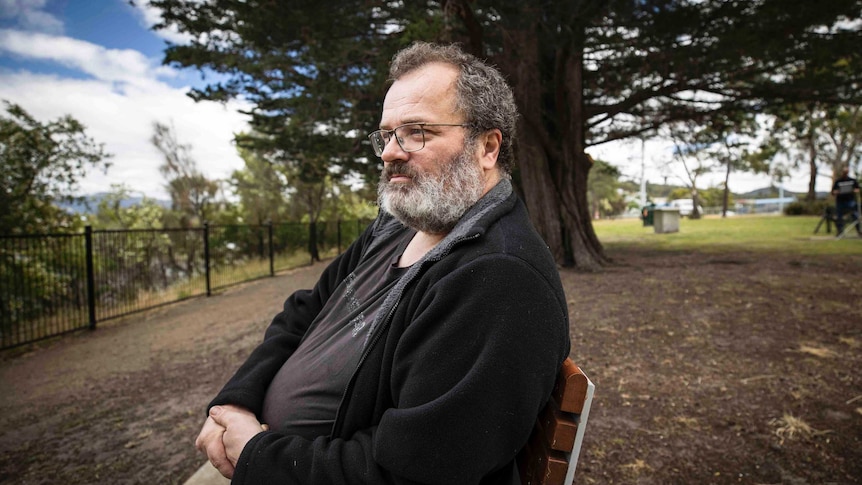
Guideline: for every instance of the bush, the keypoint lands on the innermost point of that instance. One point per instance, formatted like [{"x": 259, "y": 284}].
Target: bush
[{"x": 807, "y": 208}]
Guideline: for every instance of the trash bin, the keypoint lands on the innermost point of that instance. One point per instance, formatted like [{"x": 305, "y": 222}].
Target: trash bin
[
  {"x": 647, "y": 214},
  {"x": 665, "y": 219}
]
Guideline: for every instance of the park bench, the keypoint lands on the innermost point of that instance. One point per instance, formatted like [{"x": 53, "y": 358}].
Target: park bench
[{"x": 551, "y": 454}]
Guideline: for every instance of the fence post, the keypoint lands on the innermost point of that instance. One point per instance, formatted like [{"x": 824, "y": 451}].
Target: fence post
[
  {"x": 207, "y": 256},
  {"x": 271, "y": 252},
  {"x": 91, "y": 276}
]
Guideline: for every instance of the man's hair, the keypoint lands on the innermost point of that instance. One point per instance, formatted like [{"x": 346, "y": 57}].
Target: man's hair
[{"x": 482, "y": 94}]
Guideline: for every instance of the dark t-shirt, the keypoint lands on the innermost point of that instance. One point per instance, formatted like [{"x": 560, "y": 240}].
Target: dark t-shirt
[
  {"x": 845, "y": 188},
  {"x": 304, "y": 396}
]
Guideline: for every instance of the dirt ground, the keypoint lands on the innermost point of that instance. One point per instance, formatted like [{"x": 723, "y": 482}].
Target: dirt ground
[{"x": 741, "y": 368}]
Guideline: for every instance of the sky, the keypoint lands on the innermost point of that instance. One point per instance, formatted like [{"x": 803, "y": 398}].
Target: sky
[{"x": 100, "y": 62}]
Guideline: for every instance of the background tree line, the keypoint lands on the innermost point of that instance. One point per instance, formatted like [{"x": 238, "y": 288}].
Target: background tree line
[
  {"x": 585, "y": 72},
  {"x": 158, "y": 248},
  {"x": 711, "y": 75},
  {"x": 43, "y": 162}
]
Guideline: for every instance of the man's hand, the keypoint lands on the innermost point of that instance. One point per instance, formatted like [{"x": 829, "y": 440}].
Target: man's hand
[
  {"x": 239, "y": 425},
  {"x": 210, "y": 440}
]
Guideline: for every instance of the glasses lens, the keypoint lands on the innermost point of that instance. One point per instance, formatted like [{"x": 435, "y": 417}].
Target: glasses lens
[
  {"x": 378, "y": 141},
  {"x": 411, "y": 137}
]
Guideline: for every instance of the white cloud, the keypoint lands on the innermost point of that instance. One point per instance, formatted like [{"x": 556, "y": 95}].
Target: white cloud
[
  {"x": 118, "y": 105},
  {"x": 28, "y": 15},
  {"x": 115, "y": 65},
  {"x": 150, "y": 16}
]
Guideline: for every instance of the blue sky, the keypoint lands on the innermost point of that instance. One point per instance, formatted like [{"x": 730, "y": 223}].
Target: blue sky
[{"x": 100, "y": 62}]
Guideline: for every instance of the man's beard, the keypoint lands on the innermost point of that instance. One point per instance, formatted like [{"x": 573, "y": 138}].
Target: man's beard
[{"x": 432, "y": 203}]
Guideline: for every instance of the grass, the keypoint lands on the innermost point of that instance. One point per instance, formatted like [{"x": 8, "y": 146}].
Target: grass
[
  {"x": 789, "y": 427},
  {"x": 225, "y": 276},
  {"x": 759, "y": 233}
]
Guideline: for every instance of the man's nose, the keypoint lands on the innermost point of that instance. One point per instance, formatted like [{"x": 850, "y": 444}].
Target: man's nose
[{"x": 392, "y": 151}]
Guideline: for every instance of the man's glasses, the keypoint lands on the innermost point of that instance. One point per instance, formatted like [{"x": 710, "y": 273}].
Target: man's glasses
[{"x": 410, "y": 137}]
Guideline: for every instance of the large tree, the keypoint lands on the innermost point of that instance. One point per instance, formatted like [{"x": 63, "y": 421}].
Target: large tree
[
  {"x": 41, "y": 164},
  {"x": 585, "y": 72}
]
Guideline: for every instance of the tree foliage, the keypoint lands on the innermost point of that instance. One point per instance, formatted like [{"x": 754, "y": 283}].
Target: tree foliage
[
  {"x": 724, "y": 141},
  {"x": 817, "y": 136},
  {"x": 114, "y": 212},
  {"x": 259, "y": 187},
  {"x": 192, "y": 193},
  {"x": 843, "y": 144},
  {"x": 41, "y": 164},
  {"x": 584, "y": 72},
  {"x": 606, "y": 199}
]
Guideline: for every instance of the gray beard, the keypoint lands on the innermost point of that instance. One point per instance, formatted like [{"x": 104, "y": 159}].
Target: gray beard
[{"x": 432, "y": 203}]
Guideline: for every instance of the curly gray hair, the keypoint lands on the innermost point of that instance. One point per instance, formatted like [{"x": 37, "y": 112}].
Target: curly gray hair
[{"x": 483, "y": 95}]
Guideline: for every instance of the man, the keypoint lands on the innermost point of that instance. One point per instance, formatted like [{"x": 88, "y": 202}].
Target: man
[
  {"x": 845, "y": 189},
  {"x": 425, "y": 351}
]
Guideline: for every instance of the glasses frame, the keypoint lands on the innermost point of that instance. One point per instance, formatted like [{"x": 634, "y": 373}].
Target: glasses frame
[{"x": 391, "y": 134}]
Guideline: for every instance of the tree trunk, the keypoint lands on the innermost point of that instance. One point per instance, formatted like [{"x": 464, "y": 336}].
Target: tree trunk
[
  {"x": 573, "y": 167},
  {"x": 812, "y": 164},
  {"x": 584, "y": 246},
  {"x": 725, "y": 200},
  {"x": 538, "y": 188},
  {"x": 540, "y": 194},
  {"x": 550, "y": 147},
  {"x": 553, "y": 169},
  {"x": 312, "y": 241}
]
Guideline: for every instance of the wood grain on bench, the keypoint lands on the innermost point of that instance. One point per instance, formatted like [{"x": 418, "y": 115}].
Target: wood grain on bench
[{"x": 551, "y": 454}]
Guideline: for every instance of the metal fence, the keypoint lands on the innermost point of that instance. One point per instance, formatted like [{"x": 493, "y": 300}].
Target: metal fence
[{"x": 53, "y": 284}]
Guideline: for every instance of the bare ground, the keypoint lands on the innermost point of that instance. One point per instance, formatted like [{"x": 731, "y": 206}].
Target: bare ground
[{"x": 741, "y": 368}]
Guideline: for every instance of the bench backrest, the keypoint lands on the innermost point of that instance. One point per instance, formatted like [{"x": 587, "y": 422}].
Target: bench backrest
[{"x": 551, "y": 454}]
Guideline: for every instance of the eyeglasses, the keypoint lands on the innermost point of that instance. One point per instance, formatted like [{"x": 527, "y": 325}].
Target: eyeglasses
[{"x": 410, "y": 137}]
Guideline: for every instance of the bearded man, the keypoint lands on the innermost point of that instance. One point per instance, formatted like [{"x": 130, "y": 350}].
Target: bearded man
[{"x": 425, "y": 352}]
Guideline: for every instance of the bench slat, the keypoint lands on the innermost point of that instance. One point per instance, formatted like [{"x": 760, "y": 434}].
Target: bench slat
[
  {"x": 570, "y": 390},
  {"x": 560, "y": 428},
  {"x": 551, "y": 454},
  {"x": 546, "y": 466}
]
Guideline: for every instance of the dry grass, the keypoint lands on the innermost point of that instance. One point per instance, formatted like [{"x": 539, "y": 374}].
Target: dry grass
[
  {"x": 816, "y": 351},
  {"x": 789, "y": 427}
]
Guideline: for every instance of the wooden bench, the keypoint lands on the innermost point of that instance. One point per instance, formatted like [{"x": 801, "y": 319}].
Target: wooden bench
[{"x": 551, "y": 454}]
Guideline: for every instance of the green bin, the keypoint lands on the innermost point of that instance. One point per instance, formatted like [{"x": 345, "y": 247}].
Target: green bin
[{"x": 647, "y": 214}]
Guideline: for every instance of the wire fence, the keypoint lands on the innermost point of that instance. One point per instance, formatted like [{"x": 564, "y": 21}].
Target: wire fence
[{"x": 52, "y": 284}]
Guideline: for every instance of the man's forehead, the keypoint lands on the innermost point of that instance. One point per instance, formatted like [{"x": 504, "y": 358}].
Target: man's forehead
[{"x": 423, "y": 94}]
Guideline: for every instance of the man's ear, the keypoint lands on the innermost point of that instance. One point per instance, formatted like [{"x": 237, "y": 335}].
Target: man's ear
[{"x": 488, "y": 148}]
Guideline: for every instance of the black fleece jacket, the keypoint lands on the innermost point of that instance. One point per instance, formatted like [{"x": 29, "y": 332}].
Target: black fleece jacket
[{"x": 458, "y": 364}]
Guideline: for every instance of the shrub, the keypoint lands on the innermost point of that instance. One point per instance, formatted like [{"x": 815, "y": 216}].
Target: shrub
[{"x": 807, "y": 208}]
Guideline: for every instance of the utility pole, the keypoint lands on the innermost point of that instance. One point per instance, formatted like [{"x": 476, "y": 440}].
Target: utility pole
[{"x": 643, "y": 175}]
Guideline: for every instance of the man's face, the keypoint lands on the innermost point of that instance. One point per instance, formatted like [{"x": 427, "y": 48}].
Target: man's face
[
  {"x": 430, "y": 189},
  {"x": 431, "y": 200}
]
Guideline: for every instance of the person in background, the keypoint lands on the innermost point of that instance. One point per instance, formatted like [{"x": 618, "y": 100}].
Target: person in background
[
  {"x": 845, "y": 189},
  {"x": 425, "y": 351}
]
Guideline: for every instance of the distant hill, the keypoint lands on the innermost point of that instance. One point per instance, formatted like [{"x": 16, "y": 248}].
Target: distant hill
[
  {"x": 90, "y": 203},
  {"x": 772, "y": 192}
]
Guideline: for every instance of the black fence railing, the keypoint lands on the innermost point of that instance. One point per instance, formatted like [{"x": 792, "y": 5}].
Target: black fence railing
[{"x": 53, "y": 284}]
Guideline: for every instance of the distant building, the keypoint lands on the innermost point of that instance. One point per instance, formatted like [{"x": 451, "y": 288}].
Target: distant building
[{"x": 763, "y": 206}]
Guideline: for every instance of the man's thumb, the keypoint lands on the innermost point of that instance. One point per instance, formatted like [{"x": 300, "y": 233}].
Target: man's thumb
[{"x": 216, "y": 411}]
